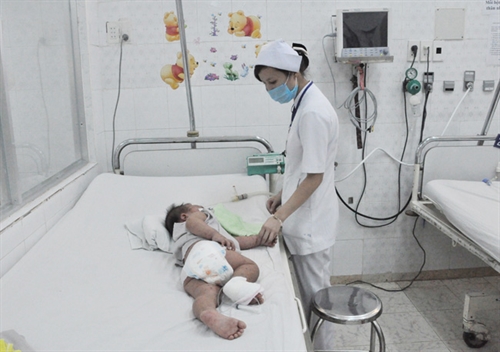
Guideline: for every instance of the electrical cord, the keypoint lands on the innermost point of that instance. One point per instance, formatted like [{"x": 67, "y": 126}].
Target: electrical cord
[
  {"x": 334, "y": 36},
  {"x": 413, "y": 279},
  {"x": 123, "y": 38}
]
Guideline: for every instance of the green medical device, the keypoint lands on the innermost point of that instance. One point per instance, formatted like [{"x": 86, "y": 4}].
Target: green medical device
[{"x": 261, "y": 164}]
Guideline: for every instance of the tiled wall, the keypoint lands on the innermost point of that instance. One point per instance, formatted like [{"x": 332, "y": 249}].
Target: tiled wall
[
  {"x": 148, "y": 107},
  {"x": 23, "y": 229}
]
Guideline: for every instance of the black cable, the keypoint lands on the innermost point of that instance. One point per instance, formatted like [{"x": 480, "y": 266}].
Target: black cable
[
  {"x": 412, "y": 280},
  {"x": 424, "y": 112},
  {"x": 124, "y": 37},
  {"x": 391, "y": 218}
]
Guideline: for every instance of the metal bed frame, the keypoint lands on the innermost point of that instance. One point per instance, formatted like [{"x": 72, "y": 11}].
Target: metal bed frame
[
  {"x": 475, "y": 334},
  {"x": 193, "y": 142}
]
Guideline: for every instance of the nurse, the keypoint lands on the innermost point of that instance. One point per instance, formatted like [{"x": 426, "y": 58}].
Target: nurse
[{"x": 306, "y": 209}]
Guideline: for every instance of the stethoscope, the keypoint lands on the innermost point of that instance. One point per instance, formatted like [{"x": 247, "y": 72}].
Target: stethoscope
[{"x": 294, "y": 112}]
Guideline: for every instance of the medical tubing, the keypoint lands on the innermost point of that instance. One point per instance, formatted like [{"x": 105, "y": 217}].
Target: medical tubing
[
  {"x": 456, "y": 109},
  {"x": 366, "y": 158},
  {"x": 243, "y": 196}
]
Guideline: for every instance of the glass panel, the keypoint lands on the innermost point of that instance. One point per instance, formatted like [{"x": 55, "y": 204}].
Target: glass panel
[
  {"x": 38, "y": 62},
  {"x": 42, "y": 134}
]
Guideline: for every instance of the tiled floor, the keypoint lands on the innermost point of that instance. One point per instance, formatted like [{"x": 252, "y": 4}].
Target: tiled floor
[{"x": 426, "y": 317}]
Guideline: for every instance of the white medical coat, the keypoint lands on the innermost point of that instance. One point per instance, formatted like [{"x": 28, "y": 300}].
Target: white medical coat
[{"x": 312, "y": 148}]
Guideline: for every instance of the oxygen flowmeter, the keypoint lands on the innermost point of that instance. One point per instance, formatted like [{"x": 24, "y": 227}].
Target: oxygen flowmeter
[
  {"x": 412, "y": 86},
  {"x": 261, "y": 164}
]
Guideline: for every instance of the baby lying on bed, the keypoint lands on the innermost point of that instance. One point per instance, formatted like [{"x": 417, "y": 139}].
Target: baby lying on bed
[{"x": 211, "y": 262}]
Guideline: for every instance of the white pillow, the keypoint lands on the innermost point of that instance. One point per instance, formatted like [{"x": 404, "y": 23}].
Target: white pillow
[{"x": 155, "y": 232}]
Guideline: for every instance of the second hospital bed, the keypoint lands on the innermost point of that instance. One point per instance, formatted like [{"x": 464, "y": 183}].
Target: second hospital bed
[
  {"x": 464, "y": 207},
  {"x": 83, "y": 287}
]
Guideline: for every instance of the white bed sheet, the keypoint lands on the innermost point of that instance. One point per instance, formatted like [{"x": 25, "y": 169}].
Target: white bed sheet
[
  {"x": 83, "y": 288},
  {"x": 472, "y": 207}
]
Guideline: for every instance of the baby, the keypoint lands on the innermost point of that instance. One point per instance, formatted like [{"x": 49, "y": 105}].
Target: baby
[{"x": 211, "y": 261}]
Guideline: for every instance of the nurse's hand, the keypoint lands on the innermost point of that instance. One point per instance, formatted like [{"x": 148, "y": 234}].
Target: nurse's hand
[
  {"x": 269, "y": 232},
  {"x": 273, "y": 203}
]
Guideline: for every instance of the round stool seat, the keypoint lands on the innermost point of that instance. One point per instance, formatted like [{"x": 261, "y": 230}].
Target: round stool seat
[{"x": 347, "y": 305}]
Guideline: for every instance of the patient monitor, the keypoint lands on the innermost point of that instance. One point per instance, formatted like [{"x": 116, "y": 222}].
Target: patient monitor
[{"x": 363, "y": 36}]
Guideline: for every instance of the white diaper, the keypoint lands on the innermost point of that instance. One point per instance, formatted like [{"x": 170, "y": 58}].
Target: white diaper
[
  {"x": 240, "y": 291},
  {"x": 207, "y": 261}
]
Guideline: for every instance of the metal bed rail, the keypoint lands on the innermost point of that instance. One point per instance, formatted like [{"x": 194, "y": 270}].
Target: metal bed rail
[
  {"x": 427, "y": 145},
  {"x": 183, "y": 140}
]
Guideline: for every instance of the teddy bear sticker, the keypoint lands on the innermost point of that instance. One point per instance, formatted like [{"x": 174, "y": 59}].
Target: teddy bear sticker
[
  {"x": 174, "y": 74},
  {"x": 171, "y": 26},
  {"x": 244, "y": 26}
]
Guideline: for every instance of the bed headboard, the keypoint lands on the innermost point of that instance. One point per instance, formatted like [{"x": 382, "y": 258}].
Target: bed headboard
[
  {"x": 470, "y": 158},
  {"x": 185, "y": 156}
]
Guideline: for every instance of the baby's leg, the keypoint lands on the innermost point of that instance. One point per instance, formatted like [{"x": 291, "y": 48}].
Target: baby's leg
[
  {"x": 204, "y": 308},
  {"x": 246, "y": 268}
]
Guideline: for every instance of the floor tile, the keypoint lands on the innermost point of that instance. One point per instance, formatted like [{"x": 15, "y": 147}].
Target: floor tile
[
  {"x": 433, "y": 297},
  {"x": 433, "y": 346},
  {"x": 405, "y": 328}
]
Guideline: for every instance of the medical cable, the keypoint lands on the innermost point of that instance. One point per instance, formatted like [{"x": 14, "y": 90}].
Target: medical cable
[
  {"x": 424, "y": 112},
  {"x": 350, "y": 103},
  {"x": 123, "y": 38},
  {"x": 334, "y": 36},
  {"x": 391, "y": 218},
  {"x": 243, "y": 196},
  {"x": 412, "y": 280}
]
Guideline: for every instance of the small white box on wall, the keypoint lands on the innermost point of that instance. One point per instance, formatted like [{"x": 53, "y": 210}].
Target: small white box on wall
[{"x": 449, "y": 24}]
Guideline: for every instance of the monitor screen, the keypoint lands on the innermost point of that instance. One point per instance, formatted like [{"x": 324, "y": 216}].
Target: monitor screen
[
  {"x": 363, "y": 35},
  {"x": 365, "y": 29}
]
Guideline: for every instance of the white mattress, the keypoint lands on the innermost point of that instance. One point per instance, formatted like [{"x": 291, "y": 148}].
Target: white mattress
[
  {"x": 472, "y": 207},
  {"x": 82, "y": 288}
]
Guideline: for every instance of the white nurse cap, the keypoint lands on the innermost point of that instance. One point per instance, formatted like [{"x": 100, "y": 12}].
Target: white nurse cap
[{"x": 279, "y": 54}]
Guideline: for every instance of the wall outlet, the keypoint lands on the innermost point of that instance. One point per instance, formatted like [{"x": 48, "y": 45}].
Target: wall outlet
[
  {"x": 409, "y": 52},
  {"x": 116, "y": 29},
  {"x": 425, "y": 50},
  {"x": 437, "y": 50},
  {"x": 126, "y": 28},
  {"x": 112, "y": 32}
]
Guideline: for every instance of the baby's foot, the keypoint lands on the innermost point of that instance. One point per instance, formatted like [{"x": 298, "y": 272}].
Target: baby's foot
[
  {"x": 258, "y": 299},
  {"x": 226, "y": 327}
]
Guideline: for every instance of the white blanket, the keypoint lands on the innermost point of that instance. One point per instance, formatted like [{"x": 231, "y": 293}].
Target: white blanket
[
  {"x": 82, "y": 288},
  {"x": 472, "y": 207}
]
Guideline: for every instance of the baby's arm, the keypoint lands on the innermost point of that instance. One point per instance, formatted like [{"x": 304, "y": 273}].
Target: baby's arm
[
  {"x": 248, "y": 242},
  {"x": 196, "y": 224}
]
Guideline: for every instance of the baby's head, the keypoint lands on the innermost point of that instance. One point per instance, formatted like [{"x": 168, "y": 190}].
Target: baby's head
[{"x": 179, "y": 213}]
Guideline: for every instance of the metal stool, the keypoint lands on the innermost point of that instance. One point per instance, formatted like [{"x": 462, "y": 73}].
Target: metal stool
[{"x": 349, "y": 305}]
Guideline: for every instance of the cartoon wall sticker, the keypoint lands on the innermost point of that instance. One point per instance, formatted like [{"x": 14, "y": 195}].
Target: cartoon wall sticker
[
  {"x": 211, "y": 77},
  {"x": 230, "y": 75},
  {"x": 171, "y": 26},
  {"x": 174, "y": 74},
  {"x": 244, "y": 73},
  {"x": 214, "y": 30},
  {"x": 244, "y": 26},
  {"x": 257, "y": 48}
]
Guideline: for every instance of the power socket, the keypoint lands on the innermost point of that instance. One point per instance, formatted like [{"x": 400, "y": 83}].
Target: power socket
[
  {"x": 425, "y": 51},
  {"x": 409, "y": 52},
  {"x": 116, "y": 29},
  {"x": 112, "y": 32}
]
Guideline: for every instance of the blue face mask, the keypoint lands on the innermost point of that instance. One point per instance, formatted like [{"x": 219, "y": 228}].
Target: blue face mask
[{"x": 282, "y": 94}]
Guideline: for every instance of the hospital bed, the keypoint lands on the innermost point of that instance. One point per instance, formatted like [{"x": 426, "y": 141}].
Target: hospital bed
[
  {"x": 83, "y": 287},
  {"x": 466, "y": 211}
]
